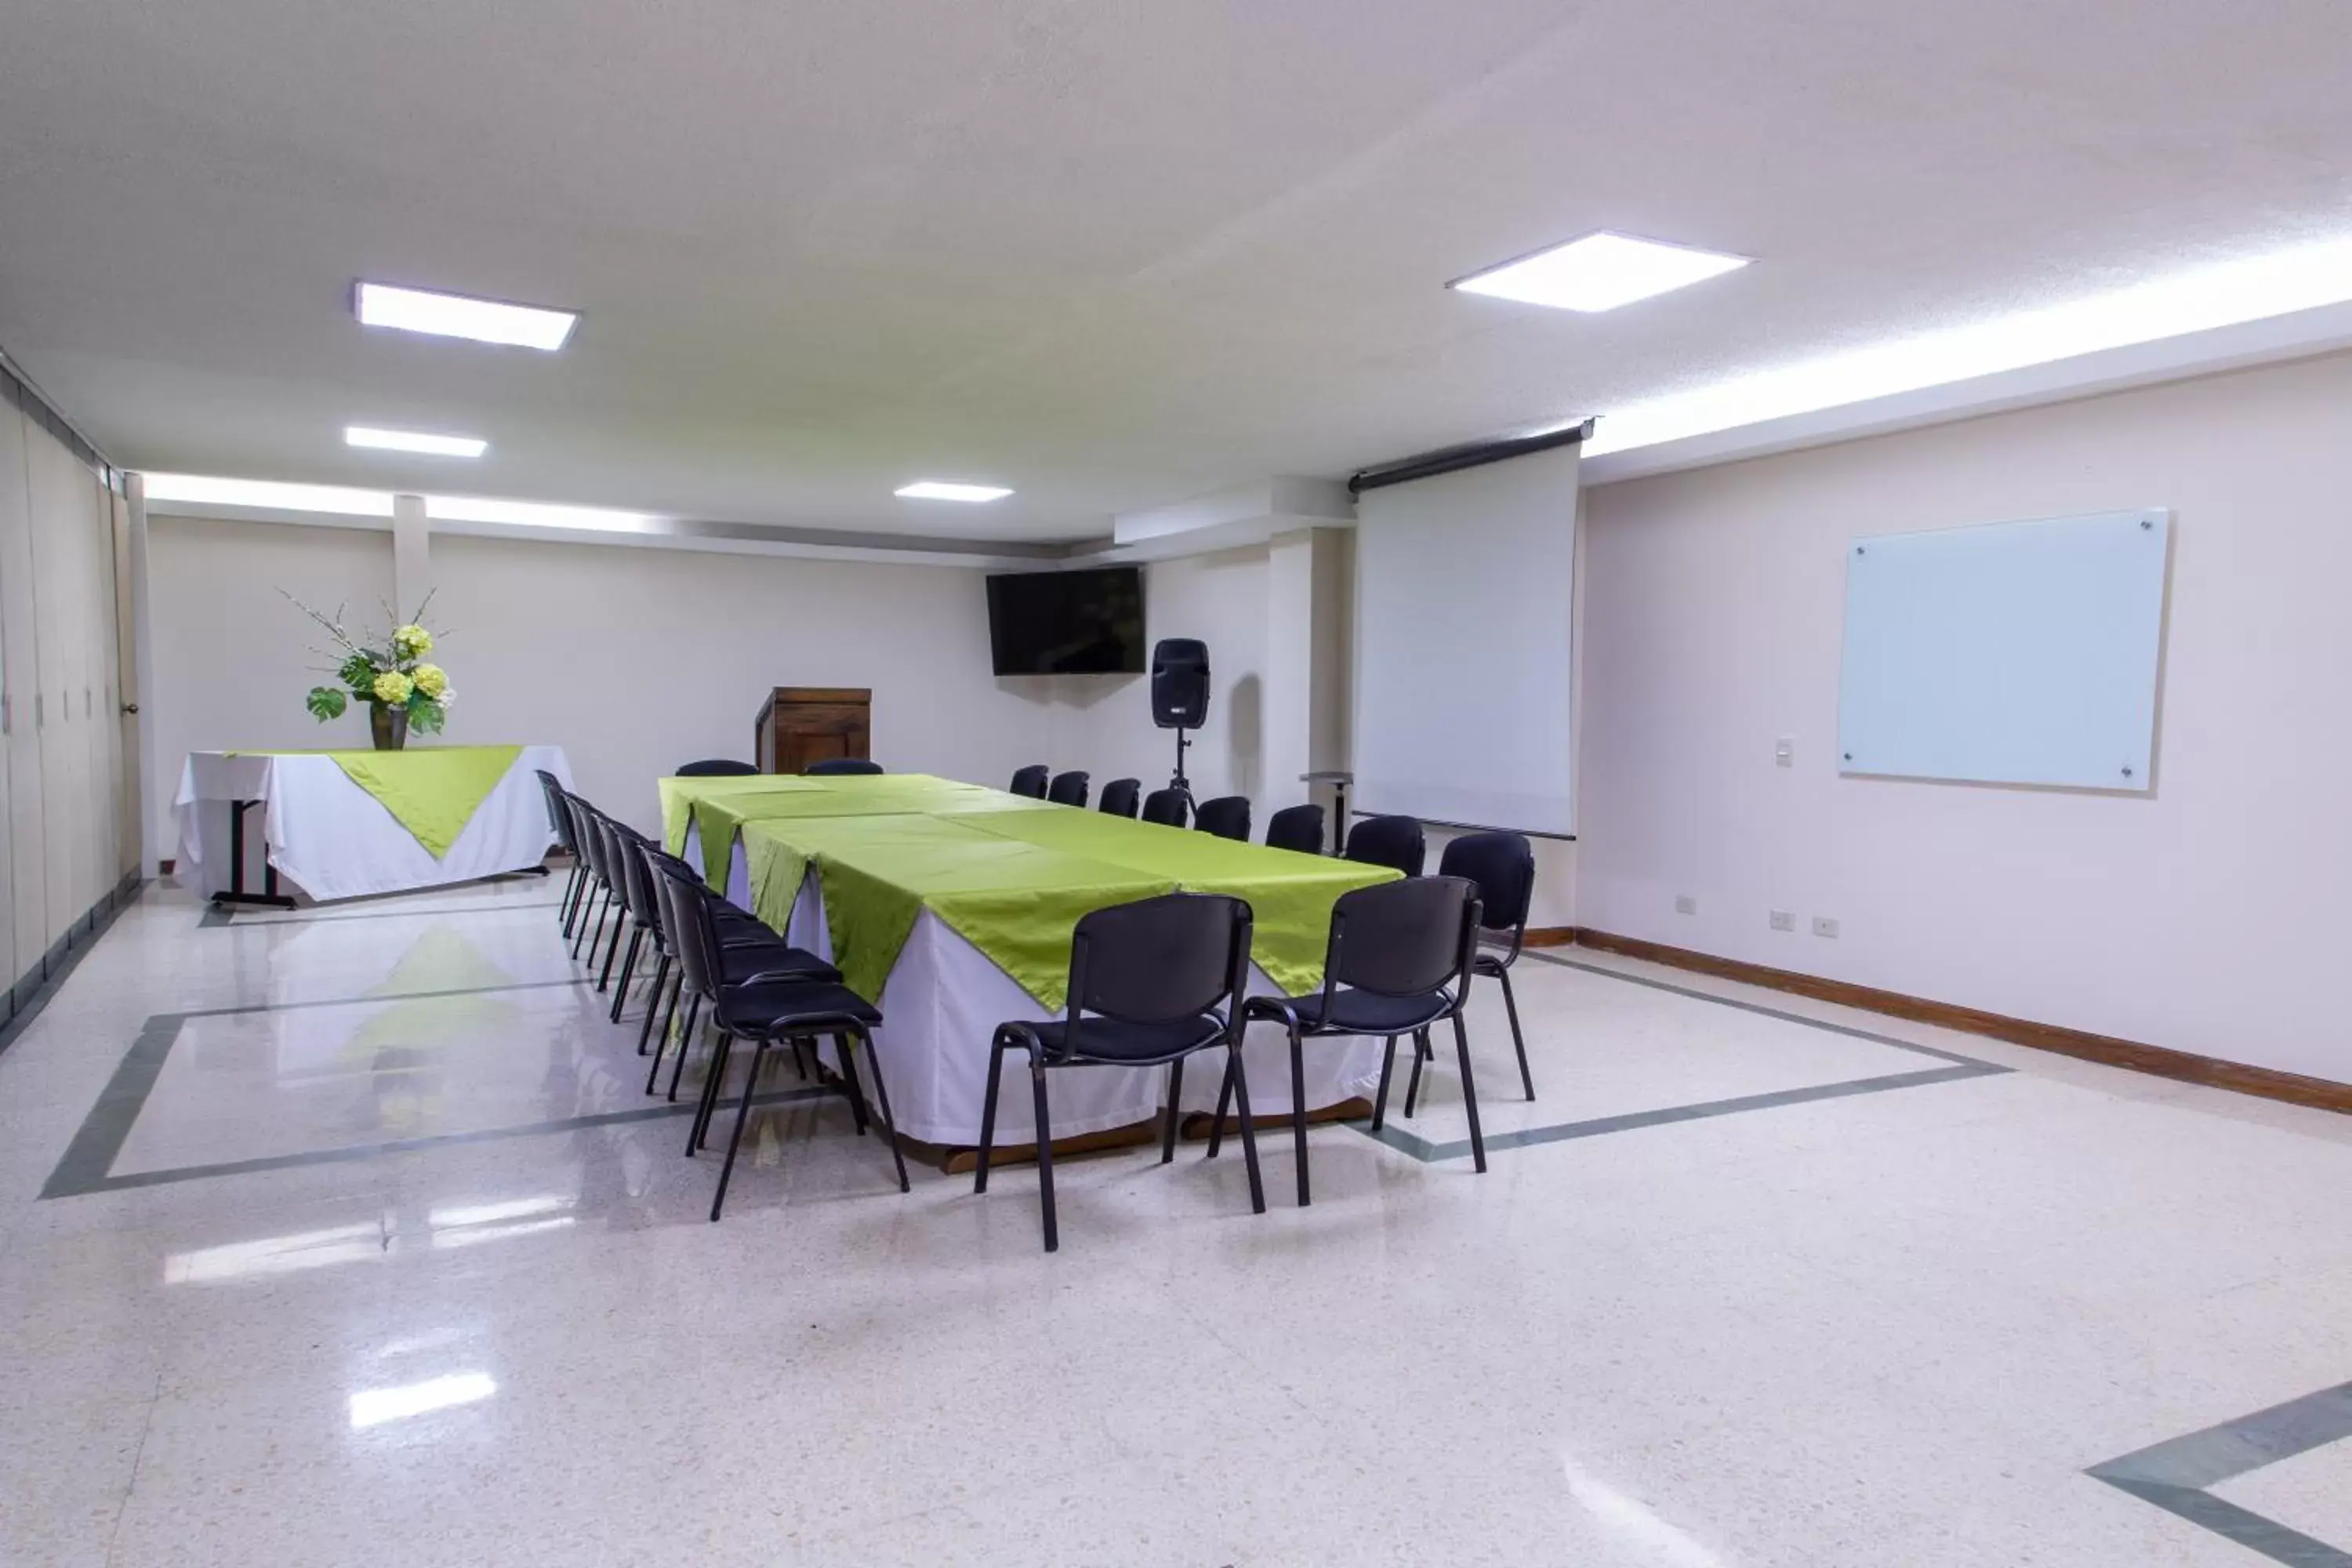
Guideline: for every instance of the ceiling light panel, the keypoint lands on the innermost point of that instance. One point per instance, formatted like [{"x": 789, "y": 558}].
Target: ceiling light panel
[
  {"x": 944, "y": 489},
  {"x": 457, "y": 316},
  {"x": 415, "y": 441},
  {"x": 1599, "y": 272}
]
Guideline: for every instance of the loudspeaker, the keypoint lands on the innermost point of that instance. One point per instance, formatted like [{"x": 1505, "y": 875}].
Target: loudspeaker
[{"x": 1180, "y": 683}]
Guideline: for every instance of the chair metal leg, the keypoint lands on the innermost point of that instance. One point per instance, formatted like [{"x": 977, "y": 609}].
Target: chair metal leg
[
  {"x": 605, "y": 978},
  {"x": 661, "y": 1046},
  {"x": 629, "y": 967},
  {"x": 856, "y": 1091},
  {"x": 654, "y": 1005},
  {"x": 1298, "y": 1111},
  {"x": 581, "y": 934},
  {"x": 1175, "y": 1093},
  {"x": 567, "y": 906},
  {"x": 987, "y": 1115},
  {"x": 1045, "y": 1152},
  {"x": 714, "y": 1085},
  {"x": 1239, "y": 1077},
  {"x": 742, "y": 1114},
  {"x": 1469, "y": 1094},
  {"x": 1217, "y": 1127},
  {"x": 800, "y": 1056},
  {"x": 882, "y": 1100},
  {"x": 1519, "y": 1041},
  {"x": 1420, "y": 1055},
  {"x": 1388, "y": 1069},
  {"x": 685, "y": 1043}
]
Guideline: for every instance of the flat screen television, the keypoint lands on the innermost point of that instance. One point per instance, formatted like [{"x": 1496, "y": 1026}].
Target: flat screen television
[{"x": 1067, "y": 622}]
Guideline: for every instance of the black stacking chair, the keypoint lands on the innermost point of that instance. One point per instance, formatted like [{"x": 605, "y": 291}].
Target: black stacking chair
[
  {"x": 1067, "y": 789},
  {"x": 1298, "y": 827},
  {"x": 842, "y": 767},
  {"x": 1031, "y": 781},
  {"x": 630, "y": 918},
  {"x": 1394, "y": 841},
  {"x": 715, "y": 768},
  {"x": 1165, "y": 806},
  {"x": 1398, "y": 963},
  {"x": 559, "y": 822},
  {"x": 746, "y": 948},
  {"x": 1151, "y": 984},
  {"x": 1227, "y": 816},
  {"x": 584, "y": 818},
  {"x": 1503, "y": 865},
  {"x": 1121, "y": 797},
  {"x": 766, "y": 1010}
]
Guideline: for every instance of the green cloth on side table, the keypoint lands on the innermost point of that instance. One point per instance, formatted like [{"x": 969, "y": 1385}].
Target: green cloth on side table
[
  {"x": 1290, "y": 895},
  {"x": 1015, "y": 901},
  {"x": 432, "y": 791}
]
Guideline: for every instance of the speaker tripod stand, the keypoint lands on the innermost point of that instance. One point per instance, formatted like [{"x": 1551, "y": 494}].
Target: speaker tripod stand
[{"x": 1178, "y": 781}]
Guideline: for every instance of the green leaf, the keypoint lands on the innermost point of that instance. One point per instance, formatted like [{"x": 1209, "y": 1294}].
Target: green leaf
[
  {"x": 358, "y": 672},
  {"x": 425, "y": 715},
  {"x": 325, "y": 702}
]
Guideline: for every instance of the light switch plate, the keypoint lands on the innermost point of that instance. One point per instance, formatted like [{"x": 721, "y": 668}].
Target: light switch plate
[
  {"x": 1824, "y": 926},
  {"x": 1783, "y": 920},
  {"x": 1684, "y": 904},
  {"x": 1784, "y": 752}
]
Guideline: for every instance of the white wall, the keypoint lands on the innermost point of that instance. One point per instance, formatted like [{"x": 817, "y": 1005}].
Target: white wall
[
  {"x": 233, "y": 658},
  {"x": 633, "y": 659},
  {"x": 1103, "y": 724},
  {"x": 2207, "y": 916}
]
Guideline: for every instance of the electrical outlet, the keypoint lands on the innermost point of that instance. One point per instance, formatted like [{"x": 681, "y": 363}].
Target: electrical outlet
[
  {"x": 1783, "y": 920},
  {"x": 1824, "y": 926},
  {"x": 1784, "y": 752},
  {"x": 1684, "y": 904}
]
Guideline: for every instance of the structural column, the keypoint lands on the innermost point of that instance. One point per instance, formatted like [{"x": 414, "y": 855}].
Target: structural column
[{"x": 412, "y": 554}]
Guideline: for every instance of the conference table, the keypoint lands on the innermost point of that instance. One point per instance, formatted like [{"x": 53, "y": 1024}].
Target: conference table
[
  {"x": 351, "y": 824},
  {"x": 951, "y": 906}
]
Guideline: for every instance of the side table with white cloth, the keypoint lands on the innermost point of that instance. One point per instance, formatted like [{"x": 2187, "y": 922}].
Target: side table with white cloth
[{"x": 349, "y": 824}]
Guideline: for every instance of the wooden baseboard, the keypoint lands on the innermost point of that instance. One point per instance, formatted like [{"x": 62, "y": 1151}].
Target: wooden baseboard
[
  {"x": 2187, "y": 1066},
  {"x": 1549, "y": 936}
]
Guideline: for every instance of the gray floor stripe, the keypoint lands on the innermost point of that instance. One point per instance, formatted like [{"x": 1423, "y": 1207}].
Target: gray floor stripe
[
  {"x": 1527, "y": 1137},
  {"x": 2174, "y": 1474},
  {"x": 231, "y": 919},
  {"x": 1745, "y": 1006}
]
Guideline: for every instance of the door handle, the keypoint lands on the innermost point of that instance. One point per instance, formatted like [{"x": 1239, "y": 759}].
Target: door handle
[{"x": 130, "y": 708}]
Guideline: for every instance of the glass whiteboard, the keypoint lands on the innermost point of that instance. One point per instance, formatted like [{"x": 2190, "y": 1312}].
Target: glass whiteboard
[{"x": 2019, "y": 653}]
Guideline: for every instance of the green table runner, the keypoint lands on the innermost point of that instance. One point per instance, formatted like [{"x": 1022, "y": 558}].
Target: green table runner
[
  {"x": 1016, "y": 901},
  {"x": 1290, "y": 895},
  {"x": 432, "y": 791}
]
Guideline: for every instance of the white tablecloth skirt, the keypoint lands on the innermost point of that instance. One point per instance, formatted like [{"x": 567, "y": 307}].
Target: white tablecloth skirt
[
  {"x": 332, "y": 839},
  {"x": 944, "y": 998}
]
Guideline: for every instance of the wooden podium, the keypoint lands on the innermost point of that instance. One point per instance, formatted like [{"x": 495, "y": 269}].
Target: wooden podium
[{"x": 802, "y": 725}]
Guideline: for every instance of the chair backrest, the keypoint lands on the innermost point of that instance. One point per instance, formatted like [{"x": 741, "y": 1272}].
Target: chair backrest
[
  {"x": 1031, "y": 781},
  {"x": 584, "y": 817},
  {"x": 1067, "y": 789},
  {"x": 842, "y": 767},
  {"x": 637, "y": 888},
  {"x": 1158, "y": 961},
  {"x": 558, "y": 821},
  {"x": 1164, "y": 806},
  {"x": 1403, "y": 939},
  {"x": 714, "y": 768},
  {"x": 1120, "y": 797},
  {"x": 1298, "y": 827},
  {"x": 1227, "y": 816},
  {"x": 1503, "y": 865},
  {"x": 612, "y": 835},
  {"x": 1396, "y": 841},
  {"x": 685, "y": 917}
]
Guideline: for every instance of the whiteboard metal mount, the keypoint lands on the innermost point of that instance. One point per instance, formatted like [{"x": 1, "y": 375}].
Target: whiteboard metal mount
[{"x": 2015, "y": 653}]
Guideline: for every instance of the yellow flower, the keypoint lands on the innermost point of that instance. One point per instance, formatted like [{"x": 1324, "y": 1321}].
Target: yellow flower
[
  {"x": 431, "y": 679},
  {"x": 411, "y": 641},
  {"x": 391, "y": 687}
]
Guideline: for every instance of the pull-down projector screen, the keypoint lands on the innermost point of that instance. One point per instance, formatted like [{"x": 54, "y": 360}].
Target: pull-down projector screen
[{"x": 1464, "y": 583}]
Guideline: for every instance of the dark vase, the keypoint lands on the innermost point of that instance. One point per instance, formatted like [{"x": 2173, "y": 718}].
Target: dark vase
[{"x": 390, "y": 725}]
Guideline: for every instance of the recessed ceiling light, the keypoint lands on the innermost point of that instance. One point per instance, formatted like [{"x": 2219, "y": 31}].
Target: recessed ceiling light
[
  {"x": 456, "y": 316},
  {"x": 2250, "y": 288},
  {"x": 415, "y": 441},
  {"x": 941, "y": 489},
  {"x": 1599, "y": 272}
]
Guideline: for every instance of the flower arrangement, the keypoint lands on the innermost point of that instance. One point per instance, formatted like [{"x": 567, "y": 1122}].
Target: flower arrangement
[{"x": 402, "y": 691}]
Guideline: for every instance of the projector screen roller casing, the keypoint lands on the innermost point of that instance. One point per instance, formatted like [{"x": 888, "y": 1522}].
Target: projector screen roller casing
[{"x": 1464, "y": 589}]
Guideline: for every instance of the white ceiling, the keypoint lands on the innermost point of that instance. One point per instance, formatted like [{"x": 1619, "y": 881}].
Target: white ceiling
[{"x": 1113, "y": 252}]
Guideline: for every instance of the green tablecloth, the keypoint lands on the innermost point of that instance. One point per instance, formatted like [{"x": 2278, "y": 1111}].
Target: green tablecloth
[
  {"x": 719, "y": 807},
  {"x": 432, "y": 791},
  {"x": 1012, "y": 876}
]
